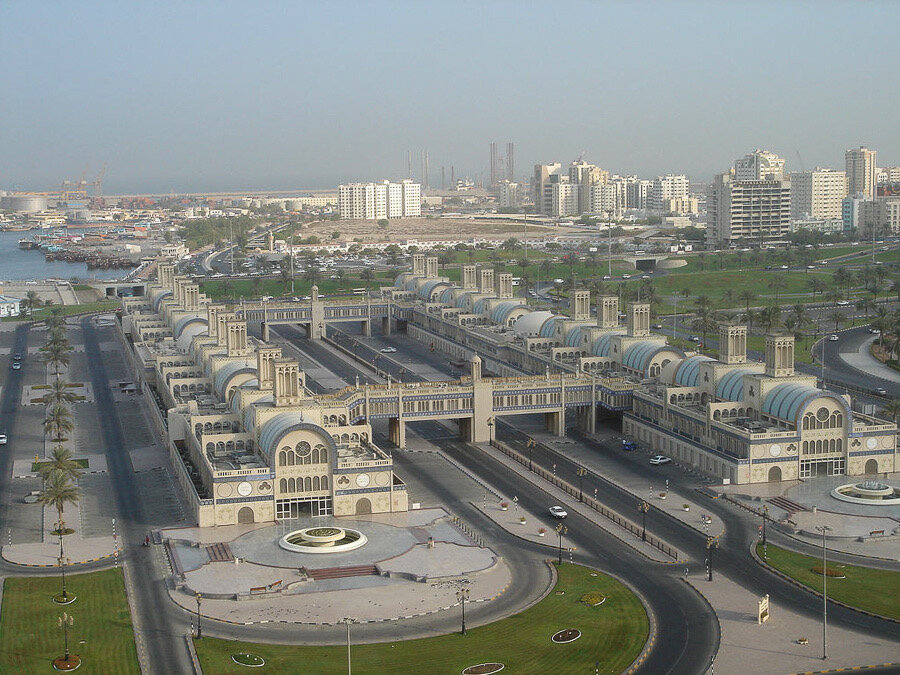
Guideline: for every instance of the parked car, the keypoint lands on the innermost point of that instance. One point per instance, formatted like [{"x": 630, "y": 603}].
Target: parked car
[
  {"x": 626, "y": 276},
  {"x": 389, "y": 350},
  {"x": 17, "y": 365},
  {"x": 833, "y": 338},
  {"x": 660, "y": 459},
  {"x": 843, "y": 303},
  {"x": 628, "y": 446},
  {"x": 874, "y": 331},
  {"x": 3, "y": 439},
  {"x": 881, "y": 391},
  {"x": 656, "y": 326},
  {"x": 558, "y": 512},
  {"x": 694, "y": 338},
  {"x": 17, "y": 357},
  {"x": 32, "y": 497}
]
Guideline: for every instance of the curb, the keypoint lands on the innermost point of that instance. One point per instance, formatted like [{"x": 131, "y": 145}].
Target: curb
[
  {"x": 712, "y": 611},
  {"x": 812, "y": 590},
  {"x": 72, "y": 564},
  {"x": 849, "y": 668}
]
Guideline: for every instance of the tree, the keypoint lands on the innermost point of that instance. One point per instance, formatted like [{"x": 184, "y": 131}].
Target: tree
[
  {"x": 368, "y": 275},
  {"x": 383, "y": 223},
  {"x": 746, "y": 296},
  {"x": 837, "y": 318},
  {"x": 865, "y": 304},
  {"x": 58, "y": 393},
  {"x": 705, "y": 322},
  {"x": 31, "y": 300},
  {"x": 777, "y": 283},
  {"x": 770, "y": 317},
  {"x": 57, "y": 355},
  {"x": 892, "y": 410},
  {"x": 312, "y": 274},
  {"x": 58, "y": 492},
  {"x": 61, "y": 462},
  {"x": 58, "y": 422},
  {"x": 335, "y": 235}
]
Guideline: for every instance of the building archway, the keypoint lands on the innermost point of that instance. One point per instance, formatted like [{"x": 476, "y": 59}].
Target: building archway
[
  {"x": 363, "y": 506},
  {"x": 245, "y": 516},
  {"x": 871, "y": 466},
  {"x": 774, "y": 474}
]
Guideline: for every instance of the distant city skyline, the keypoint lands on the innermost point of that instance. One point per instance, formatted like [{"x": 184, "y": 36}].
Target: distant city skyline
[{"x": 192, "y": 97}]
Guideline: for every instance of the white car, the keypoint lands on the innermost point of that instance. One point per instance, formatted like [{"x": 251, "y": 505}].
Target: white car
[
  {"x": 389, "y": 350},
  {"x": 3, "y": 439},
  {"x": 880, "y": 392},
  {"x": 606, "y": 277},
  {"x": 660, "y": 459},
  {"x": 558, "y": 512},
  {"x": 843, "y": 303},
  {"x": 833, "y": 338},
  {"x": 626, "y": 276}
]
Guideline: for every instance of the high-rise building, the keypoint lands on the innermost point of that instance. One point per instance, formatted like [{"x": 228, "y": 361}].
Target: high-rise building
[
  {"x": 818, "y": 193},
  {"x": 888, "y": 174},
  {"x": 860, "y": 167},
  {"x": 503, "y": 167},
  {"x": 747, "y": 210},
  {"x": 638, "y": 192},
  {"x": 606, "y": 198},
  {"x": 586, "y": 176},
  {"x": 374, "y": 201},
  {"x": 544, "y": 176},
  {"x": 564, "y": 198},
  {"x": 508, "y": 194},
  {"x": 665, "y": 187},
  {"x": 759, "y": 165}
]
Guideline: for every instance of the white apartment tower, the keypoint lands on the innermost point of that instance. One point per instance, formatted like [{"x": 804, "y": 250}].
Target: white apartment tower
[
  {"x": 509, "y": 194},
  {"x": 759, "y": 165},
  {"x": 860, "y": 167},
  {"x": 374, "y": 201},
  {"x": 667, "y": 187},
  {"x": 747, "y": 210},
  {"x": 544, "y": 176},
  {"x": 818, "y": 194}
]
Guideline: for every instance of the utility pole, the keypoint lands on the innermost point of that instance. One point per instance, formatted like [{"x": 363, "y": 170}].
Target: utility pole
[
  {"x": 643, "y": 507},
  {"x": 711, "y": 545},
  {"x": 581, "y": 473},
  {"x": 824, "y": 529}
]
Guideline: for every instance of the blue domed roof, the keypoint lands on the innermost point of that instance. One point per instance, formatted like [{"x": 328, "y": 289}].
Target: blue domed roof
[
  {"x": 501, "y": 312},
  {"x": 480, "y": 306},
  {"x": 462, "y": 299},
  {"x": 688, "y": 373},
  {"x": 573, "y": 339},
  {"x": 159, "y": 298},
  {"x": 601, "y": 345},
  {"x": 786, "y": 400},
  {"x": 183, "y": 323},
  {"x": 730, "y": 386},
  {"x": 548, "y": 327},
  {"x": 446, "y": 296},
  {"x": 426, "y": 288},
  {"x": 637, "y": 356},
  {"x": 276, "y": 428},
  {"x": 229, "y": 370}
]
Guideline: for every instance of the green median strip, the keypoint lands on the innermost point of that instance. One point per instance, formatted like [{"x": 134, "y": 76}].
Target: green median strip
[
  {"x": 613, "y": 634},
  {"x": 866, "y": 588},
  {"x": 101, "y": 632}
]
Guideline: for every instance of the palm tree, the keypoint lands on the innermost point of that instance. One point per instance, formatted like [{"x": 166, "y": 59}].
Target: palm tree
[
  {"x": 865, "y": 304},
  {"x": 59, "y": 393},
  {"x": 816, "y": 285},
  {"x": 838, "y": 318},
  {"x": 746, "y": 296},
  {"x": 892, "y": 410},
  {"x": 705, "y": 322},
  {"x": 57, "y": 355},
  {"x": 777, "y": 283},
  {"x": 61, "y": 462},
  {"x": 368, "y": 275},
  {"x": 770, "y": 317},
  {"x": 750, "y": 316},
  {"x": 58, "y": 422},
  {"x": 58, "y": 492},
  {"x": 31, "y": 300}
]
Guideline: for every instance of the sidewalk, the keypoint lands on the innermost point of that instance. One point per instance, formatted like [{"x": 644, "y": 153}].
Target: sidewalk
[
  {"x": 864, "y": 361},
  {"x": 748, "y": 648}
]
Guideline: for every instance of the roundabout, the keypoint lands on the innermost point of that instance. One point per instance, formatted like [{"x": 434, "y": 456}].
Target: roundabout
[
  {"x": 869, "y": 492},
  {"x": 323, "y": 540}
]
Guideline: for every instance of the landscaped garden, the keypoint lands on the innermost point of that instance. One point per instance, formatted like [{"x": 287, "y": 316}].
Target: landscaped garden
[
  {"x": 866, "y": 588},
  {"x": 101, "y": 632},
  {"x": 611, "y": 633}
]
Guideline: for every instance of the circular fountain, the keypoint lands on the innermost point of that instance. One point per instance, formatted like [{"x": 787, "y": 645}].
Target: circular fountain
[
  {"x": 327, "y": 539},
  {"x": 870, "y": 492}
]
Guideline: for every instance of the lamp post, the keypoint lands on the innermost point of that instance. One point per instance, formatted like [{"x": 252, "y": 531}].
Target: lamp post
[
  {"x": 711, "y": 545},
  {"x": 348, "y": 620},
  {"x": 765, "y": 517},
  {"x": 643, "y": 507},
  {"x": 490, "y": 423},
  {"x": 530, "y": 446},
  {"x": 64, "y": 622},
  {"x": 62, "y": 566},
  {"x": 560, "y": 530},
  {"x": 462, "y": 595},
  {"x": 199, "y": 629},
  {"x": 824, "y": 529},
  {"x": 581, "y": 473}
]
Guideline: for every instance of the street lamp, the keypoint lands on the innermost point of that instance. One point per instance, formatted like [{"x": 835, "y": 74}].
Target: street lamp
[
  {"x": 561, "y": 530},
  {"x": 530, "y": 446},
  {"x": 643, "y": 507},
  {"x": 824, "y": 529},
  {"x": 711, "y": 545},
  {"x": 199, "y": 629},
  {"x": 765, "y": 517},
  {"x": 490, "y": 423},
  {"x": 62, "y": 566},
  {"x": 64, "y": 622},
  {"x": 581, "y": 473},
  {"x": 462, "y": 595},
  {"x": 348, "y": 620}
]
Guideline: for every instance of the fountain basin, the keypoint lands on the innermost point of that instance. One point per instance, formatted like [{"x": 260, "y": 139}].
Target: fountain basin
[
  {"x": 323, "y": 540},
  {"x": 870, "y": 492}
]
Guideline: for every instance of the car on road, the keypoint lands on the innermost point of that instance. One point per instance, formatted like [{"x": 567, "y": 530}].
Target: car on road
[
  {"x": 843, "y": 303},
  {"x": 626, "y": 276},
  {"x": 3, "y": 439},
  {"x": 810, "y": 267},
  {"x": 558, "y": 512},
  {"x": 606, "y": 277},
  {"x": 17, "y": 365},
  {"x": 694, "y": 338},
  {"x": 880, "y": 391},
  {"x": 17, "y": 357},
  {"x": 628, "y": 446},
  {"x": 32, "y": 497},
  {"x": 389, "y": 350},
  {"x": 874, "y": 331},
  {"x": 645, "y": 276},
  {"x": 833, "y": 338},
  {"x": 660, "y": 459},
  {"x": 784, "y": 267},
  {"x": 656, "y": 326}
]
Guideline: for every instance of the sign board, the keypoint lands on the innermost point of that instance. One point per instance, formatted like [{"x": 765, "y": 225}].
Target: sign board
[{"x": 762, "y": 609}]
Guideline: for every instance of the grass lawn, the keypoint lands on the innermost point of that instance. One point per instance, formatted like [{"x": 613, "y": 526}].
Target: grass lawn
[
  {"x": 864, "y": 588},
  {"x": 30, "y": 639},
  {"x": 80, "y": 463},
  {"x": 612, "y": 633}
]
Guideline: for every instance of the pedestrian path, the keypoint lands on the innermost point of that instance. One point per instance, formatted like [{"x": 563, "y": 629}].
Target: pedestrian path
[{"x": 863, "y": 360}]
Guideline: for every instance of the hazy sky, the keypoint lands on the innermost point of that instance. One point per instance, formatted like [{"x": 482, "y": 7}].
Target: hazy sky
[{"x": 228, "y": 95}]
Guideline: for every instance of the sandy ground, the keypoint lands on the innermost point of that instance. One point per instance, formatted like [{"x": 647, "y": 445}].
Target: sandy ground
[{"x": 424, "y": 228}]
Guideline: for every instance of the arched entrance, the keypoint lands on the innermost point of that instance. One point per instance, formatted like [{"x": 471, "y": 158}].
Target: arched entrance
[
  {"x": 245, "y": 516},
  {"x": 871, "y": 466},
  {"x": 774, "y": 474},
  {"x": 363, "y": 506}
]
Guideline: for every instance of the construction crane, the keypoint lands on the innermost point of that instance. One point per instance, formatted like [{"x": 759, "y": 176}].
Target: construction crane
[
  {"x": 76, "y": 190},
  {"x": 98, "y": 182}
]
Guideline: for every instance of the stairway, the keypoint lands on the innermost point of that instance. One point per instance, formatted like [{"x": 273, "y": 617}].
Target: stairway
[
  {"x": 786, "y": 504},
  {"x": 220, "y": 553},
  {"x": 342, "y": 572}
]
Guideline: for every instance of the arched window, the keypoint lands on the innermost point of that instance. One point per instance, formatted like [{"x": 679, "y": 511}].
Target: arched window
[
  {"x": 291, "y": 458},
  {"x": 282, "y": 458},
  {"x": 282, "y": 484},
  {"x": 292, "y": 485},
  {"x": 315, "y": 483},
  {"x": 315, "y": 455},
  {"x": 307, "y": 484},
  {"x": 324, "y": 482},
  {"x": 323, "y": 454}
]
